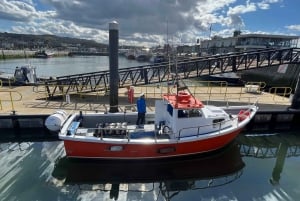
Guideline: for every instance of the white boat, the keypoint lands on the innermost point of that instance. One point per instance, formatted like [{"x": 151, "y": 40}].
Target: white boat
[
  {"x": 180, "y": 126},
  {"x": 43, "y": 54},
  {"x": 23, "y": 75},
  {"x": 143, "y": 55},
  {"x": 130, "y": 54},
  {"x": 231, "y": 78}
]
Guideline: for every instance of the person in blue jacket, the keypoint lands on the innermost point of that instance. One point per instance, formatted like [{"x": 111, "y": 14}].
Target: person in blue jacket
[{"x": 141, "y": 108}]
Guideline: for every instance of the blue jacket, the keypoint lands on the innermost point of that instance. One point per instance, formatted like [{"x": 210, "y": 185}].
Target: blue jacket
[{"x": 141, "y": 105}]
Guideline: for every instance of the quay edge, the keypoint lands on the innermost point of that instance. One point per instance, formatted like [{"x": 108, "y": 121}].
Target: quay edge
[{"x": 31, "y": 128}]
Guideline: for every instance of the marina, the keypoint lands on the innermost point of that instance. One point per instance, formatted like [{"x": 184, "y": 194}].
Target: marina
[
  {"x": 55, "y": 172},
  {"x": 15, "y": 123},
  {"x": 143, "y": 101}
]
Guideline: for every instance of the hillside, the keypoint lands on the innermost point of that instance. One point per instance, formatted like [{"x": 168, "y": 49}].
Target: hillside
[{"x": 21, "y": 41}]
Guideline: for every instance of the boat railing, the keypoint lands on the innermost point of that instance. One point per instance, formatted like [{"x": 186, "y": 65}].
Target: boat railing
[{"x": 232, "y": 101}]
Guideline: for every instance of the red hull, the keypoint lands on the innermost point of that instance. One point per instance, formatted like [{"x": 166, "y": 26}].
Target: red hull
[{"x": 80, "y": 149}]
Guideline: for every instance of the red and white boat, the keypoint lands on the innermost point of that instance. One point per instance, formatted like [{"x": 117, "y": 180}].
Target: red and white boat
[{"x": 181, "y": 125}]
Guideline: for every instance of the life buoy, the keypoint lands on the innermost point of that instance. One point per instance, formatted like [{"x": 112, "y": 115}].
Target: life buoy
[{"x": 243, "y": 114}]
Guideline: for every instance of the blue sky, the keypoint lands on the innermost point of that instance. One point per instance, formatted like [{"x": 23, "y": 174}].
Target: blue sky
[{"x": 148, "y": 22}]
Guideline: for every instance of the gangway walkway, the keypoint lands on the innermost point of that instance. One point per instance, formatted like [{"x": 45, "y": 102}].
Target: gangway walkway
[{"x": 157, "y": 73}]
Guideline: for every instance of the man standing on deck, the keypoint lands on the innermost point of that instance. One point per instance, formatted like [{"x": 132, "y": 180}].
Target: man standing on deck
[{"x": 141, "y": 108}]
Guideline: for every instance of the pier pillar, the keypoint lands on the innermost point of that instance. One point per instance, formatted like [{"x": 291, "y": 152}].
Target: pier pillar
[
  {"x": 113, "y": 66},
  {"x": 296, "y": 98},
  {"x": 280, "y": 158}
]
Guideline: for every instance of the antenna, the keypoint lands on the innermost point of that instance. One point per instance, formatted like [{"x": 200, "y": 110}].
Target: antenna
[{"x": 210, "y": 27}]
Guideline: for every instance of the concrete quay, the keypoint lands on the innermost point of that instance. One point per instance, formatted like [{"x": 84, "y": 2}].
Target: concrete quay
[{"x": 34, "y": 100}]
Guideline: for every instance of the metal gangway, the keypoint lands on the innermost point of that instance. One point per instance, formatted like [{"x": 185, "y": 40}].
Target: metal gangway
[{"x": 186, "y": 69}]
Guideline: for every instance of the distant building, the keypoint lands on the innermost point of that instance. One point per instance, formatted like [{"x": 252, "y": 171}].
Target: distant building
[
  {"x": 6, "y": 45},
  {"x": 246, "y": 42}
]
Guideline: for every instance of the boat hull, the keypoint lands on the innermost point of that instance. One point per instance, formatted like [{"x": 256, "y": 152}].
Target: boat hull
[{"x": 146, "y": 150}]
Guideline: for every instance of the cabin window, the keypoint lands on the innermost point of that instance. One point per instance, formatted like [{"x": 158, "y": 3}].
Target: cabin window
[
  {"x": 195, "y": 113},
  {"x": 189, "y": 113},
  {"x": 182, "y": 114},
  {"x": 218, "y": 122},
  {"x": 170, "y": 109}
]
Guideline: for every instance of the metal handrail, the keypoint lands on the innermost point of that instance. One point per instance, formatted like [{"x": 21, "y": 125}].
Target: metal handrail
[
  {"x": 286, "y": 91},
  {"x": 11, "y": 100}
]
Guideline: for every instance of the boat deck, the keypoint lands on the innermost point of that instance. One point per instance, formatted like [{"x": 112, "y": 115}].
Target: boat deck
[{"x": 130, "y": 132}]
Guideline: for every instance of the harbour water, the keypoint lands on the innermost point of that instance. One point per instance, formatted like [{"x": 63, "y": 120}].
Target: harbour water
[
  {"x": 59, "y": 66},
  {"x": 252, "y": 168}
]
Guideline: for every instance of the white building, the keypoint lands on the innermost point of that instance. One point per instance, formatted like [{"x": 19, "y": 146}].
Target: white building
[{"x": 246, "y": 42}]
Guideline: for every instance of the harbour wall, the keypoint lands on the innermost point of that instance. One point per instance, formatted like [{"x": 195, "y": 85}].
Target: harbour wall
[{"x": 14, "y": 54}]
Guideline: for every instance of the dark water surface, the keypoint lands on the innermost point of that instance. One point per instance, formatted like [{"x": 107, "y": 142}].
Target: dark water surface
[{"x": 252, "y": 168}]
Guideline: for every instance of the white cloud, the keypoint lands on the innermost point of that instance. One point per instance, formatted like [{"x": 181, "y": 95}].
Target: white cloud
[
  {"x": 265, "y": 4},
  {"x": 141, "y": 22},
  {"x": 295, "y": 27},
  {"x": 241, "y": 9}
]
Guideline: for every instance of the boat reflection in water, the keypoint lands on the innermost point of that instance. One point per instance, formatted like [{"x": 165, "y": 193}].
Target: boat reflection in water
[{"x": 167, "y": 177}]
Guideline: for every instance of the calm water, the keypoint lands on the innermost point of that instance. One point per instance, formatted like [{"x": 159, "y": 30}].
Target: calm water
[
  {"x": 60, "y": 66},
  {"x": 253, "y": 168}
]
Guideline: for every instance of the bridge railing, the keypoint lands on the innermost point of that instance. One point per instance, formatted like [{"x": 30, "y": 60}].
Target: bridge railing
[{"x": 188, "y": 68}]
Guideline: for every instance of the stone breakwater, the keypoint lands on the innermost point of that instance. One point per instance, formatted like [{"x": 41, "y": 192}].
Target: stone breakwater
[{"x": 12, "y": 54}]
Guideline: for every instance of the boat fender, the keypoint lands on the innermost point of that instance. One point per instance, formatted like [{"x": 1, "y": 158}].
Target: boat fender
[
  {"x": 55, "y": 121},
  {"x": 243, "y": 114}
]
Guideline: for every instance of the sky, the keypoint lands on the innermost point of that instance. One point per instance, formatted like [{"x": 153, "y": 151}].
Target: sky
[{"x": 150, "y": 22}]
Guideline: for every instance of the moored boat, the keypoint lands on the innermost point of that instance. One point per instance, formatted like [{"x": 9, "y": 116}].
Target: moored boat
[
  {"x": 232, "y": 78},
  {"x": 23, "y": 75},
  {"x": 43, "y": 54},
  {"x": 130, "y": 54},
  {"x": 180, "y": 126},
  {"x": 143, "y": 55},
  {"x": 158, "y": 58}
]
